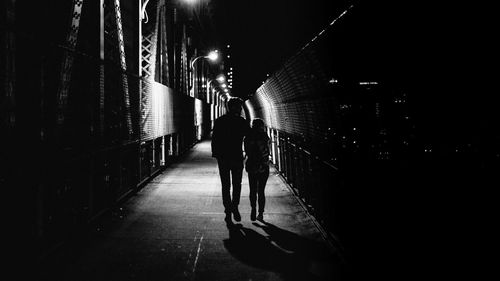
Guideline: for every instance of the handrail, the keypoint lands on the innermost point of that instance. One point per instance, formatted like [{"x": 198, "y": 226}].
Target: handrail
[
  {"x": 287, "y": 139},
  {"x": 330, "y": 165}
]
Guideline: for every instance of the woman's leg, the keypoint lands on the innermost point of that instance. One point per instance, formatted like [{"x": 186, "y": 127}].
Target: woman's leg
[
  {"x": 261, "y": 189},
  {"x": 253, "y": 184}
]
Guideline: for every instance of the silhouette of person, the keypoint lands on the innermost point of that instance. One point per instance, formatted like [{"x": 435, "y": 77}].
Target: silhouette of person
[
  {"x": 257, "y": 150},
  {"x": 227, "y": 146}
]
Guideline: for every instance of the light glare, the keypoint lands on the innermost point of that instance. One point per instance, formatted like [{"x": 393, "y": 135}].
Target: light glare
[
  {"x": 213, "y": 56},
  {"x": 221, "y": 78}
]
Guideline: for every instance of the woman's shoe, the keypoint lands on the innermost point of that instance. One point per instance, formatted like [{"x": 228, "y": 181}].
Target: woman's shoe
[
  {"x": 260, "y": 217},
  {"x": 253, "y": 214}
]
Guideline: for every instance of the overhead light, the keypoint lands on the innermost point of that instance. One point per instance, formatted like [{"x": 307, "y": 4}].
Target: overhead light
[
  {"x": 213, "y": 56},
  {"x": 221, "y": 78}
]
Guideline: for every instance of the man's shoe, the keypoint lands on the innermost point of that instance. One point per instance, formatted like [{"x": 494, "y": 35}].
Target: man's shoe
[
  {"x": 236, "y": 215},
  {"x": 253, "y": 214}
]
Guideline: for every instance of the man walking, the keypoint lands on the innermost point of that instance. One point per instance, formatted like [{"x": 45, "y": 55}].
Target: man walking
[{"x": 227, "y": 142}]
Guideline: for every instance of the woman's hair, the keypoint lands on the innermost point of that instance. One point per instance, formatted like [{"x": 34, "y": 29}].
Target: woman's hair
[{"x": 257, "y": 123}]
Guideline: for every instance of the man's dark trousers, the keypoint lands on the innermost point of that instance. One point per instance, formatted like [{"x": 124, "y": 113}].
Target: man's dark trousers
[{"x": 230, "y": 170}]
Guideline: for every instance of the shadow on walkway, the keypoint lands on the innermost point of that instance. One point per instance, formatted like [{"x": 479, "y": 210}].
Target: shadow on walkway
[{"x": 282, "y": 251}]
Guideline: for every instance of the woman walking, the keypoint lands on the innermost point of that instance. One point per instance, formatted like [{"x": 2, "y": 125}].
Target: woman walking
[{"x": 257, "y": 165}]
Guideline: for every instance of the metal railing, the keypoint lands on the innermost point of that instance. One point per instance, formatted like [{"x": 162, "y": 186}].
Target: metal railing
[{"x": 314, "y": 180}]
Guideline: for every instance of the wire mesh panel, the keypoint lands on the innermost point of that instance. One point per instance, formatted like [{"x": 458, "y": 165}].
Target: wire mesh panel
[
  {"x": 299, "y": 99},
  {"x": 157, "y": 110}
]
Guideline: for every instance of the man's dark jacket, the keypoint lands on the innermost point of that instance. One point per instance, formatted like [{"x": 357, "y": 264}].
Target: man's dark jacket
[{"x": 227, "y": 137}]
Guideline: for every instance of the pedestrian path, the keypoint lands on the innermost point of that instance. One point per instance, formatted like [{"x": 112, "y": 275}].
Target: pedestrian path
[{"x": 174, "y": 229}]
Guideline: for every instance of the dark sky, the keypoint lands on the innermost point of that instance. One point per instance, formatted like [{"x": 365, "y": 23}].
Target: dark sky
[
  {"x": 264, "y": 33},
  {"x": 439, "y": 48}
]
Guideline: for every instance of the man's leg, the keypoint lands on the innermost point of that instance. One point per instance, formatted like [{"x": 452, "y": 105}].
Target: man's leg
[
  {"x": 237, "y": 173},
  {"x": 224, "y": 174}
]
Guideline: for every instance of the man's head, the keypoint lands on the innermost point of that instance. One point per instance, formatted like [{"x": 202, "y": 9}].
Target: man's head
[{"x": 234, "y": 105}]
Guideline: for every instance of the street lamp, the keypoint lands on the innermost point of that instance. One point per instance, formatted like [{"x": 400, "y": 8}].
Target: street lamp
[
  {"x": 221, "y": 78},
  {"x": 210, "y": 86},
  {"x": 144, "y": 14},
  {"x": 212, "y": 56}
]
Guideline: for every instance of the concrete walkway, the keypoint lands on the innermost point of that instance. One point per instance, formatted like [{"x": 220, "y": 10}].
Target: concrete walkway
[{"x": 174, "y": 229}]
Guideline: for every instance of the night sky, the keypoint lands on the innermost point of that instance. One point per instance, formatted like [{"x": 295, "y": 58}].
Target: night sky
[
  {"x": 263, "y": 34},
  {"x": 418, "y": 40},
  {"x": 439, "y": 51}
]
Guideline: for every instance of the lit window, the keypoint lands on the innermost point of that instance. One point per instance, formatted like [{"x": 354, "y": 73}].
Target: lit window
[{"x": 368, "y": 83}]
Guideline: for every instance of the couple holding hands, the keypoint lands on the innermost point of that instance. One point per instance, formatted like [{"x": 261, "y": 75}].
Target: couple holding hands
[{"x": 230, "y": 133}]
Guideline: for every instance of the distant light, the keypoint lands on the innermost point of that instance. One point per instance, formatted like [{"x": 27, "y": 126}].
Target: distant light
[
  {"x": 368, "y": 83},
  {"x": 223, "y": 85},
  {"x": 228, "y": 56},
  {"x": 229, "y": 46},
  {"x": 221, "y": 78},
  {"x": 333, "y": 81},
  {"x": 213, "y": 55}
]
